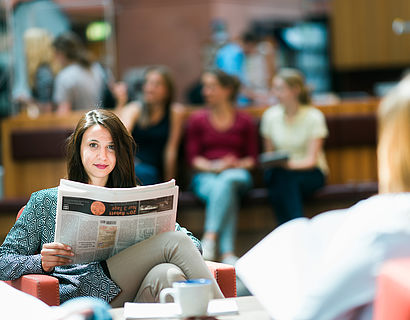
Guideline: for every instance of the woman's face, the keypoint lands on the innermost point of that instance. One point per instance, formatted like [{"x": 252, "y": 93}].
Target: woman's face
[
  {"x": 212, "y": 90},
  {"x": 60, "y": 58},
  {"x": 155, "y": 89},
  {"x": 283, "y": 92},
  {"x": 97, "y": 154}
]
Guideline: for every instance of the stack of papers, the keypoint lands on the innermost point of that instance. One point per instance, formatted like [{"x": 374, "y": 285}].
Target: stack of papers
[{"x": 216, "y": 307}]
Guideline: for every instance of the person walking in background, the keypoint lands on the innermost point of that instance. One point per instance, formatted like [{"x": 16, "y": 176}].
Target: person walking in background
[
  {"x": 252, "y": 62},
  {"x": 231, "y": 58},
  {"x": 260, "y": 67},
  {"x": 221, "y": 146},
  {"x": 156, "y": 124},
  {"x": 296, "y": 128},
  {"x": 79, "y": 84}
]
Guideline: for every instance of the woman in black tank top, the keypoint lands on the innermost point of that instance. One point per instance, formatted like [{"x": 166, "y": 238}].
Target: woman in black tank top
[{"x": 156, "y": 125}]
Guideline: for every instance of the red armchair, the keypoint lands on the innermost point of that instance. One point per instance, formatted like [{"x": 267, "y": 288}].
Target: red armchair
[
  {"x": 225, "y": 277},
  {"x": 392, "y": 300},
  {"x": 39, "y": 285},
  {"x": 46, "y": 287}
]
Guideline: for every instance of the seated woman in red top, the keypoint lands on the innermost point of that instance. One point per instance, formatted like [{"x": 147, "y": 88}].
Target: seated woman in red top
[{"x": 221, "y": 147}]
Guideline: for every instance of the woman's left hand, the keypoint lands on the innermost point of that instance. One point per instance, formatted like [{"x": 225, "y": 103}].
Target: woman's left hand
[{"x": 55, "y": 254}]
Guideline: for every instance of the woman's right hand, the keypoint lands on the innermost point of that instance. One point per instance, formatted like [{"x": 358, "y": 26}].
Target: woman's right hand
[{"x": 55, "y": 254}]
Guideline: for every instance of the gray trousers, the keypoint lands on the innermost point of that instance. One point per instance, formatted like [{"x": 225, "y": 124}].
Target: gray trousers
[{"x": 144, "y": 269}]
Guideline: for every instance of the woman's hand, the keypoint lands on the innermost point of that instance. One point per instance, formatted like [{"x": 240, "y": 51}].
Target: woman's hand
[
  {"x": 230, "y": 161},
  {"x": 55, "y": 254},
  {"x": 219, "y": 165}
]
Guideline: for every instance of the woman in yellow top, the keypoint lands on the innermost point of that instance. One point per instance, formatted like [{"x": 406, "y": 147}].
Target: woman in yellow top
[{"x": 298, "y": 129}]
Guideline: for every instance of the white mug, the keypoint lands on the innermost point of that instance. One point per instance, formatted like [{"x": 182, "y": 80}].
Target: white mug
[{"x": 191, "y": 296}]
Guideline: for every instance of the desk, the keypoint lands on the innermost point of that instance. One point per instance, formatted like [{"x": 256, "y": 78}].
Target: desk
[{"x": 249, "y": 309}]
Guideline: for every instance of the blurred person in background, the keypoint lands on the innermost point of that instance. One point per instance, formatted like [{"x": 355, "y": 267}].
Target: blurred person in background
[
  {"x": 260, "y": 67},
  {"x": 231, "y": 58},
  {"x": 221, "y": 147},
  {"x": 298, "y": 129},
  {"x": 79, "y": 85},
  {"x": 156, "y": 124},
  {"x": 252, "y": 61},
  {"x": 41, "y": 67},
  {"x": 26, "y": 14},
  {"x": 330, "y": 264}
]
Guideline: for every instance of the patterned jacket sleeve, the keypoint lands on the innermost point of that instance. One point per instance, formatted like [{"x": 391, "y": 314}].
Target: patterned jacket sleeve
[
  {"x": 19, "y": 254},
  {"x": 196, "y": 242}
]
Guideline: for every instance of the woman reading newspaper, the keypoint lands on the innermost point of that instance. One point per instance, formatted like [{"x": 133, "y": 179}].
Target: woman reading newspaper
[{"x": 100, "y": 152}]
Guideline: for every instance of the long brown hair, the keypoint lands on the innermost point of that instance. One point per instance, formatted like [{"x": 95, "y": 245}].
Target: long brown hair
[
  {"x": 73, "y": 48},
  {"x": 226, "y": 81},
  {"x": 123, "y": 174},
  {"x": 165, "y": 73}
]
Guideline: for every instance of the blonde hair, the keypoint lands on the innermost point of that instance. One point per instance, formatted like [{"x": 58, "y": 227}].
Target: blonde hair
[
  {"x": 394, "y": 139},
  {"x": 294, "y": 78},
  {"x": 39, "y": 50}
]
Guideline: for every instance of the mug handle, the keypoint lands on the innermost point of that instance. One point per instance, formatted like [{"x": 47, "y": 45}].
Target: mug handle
[{"x": 165, "y": 292}]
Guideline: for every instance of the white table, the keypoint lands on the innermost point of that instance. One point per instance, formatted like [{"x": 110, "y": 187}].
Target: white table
[{"x": 249, "y": 309}]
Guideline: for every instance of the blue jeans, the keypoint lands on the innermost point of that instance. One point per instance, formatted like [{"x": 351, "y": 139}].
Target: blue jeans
[
  {"x": 221, "y": 193},
  {"x": 146, "y": 173},
  {"x": 287, "y": 188}
]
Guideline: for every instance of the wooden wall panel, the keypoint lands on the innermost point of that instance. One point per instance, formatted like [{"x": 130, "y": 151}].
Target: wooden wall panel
[
  {"x": 351, "y": 164},
  {"x": 21, "y": 178},
  {"x": 362, "y": 35}
]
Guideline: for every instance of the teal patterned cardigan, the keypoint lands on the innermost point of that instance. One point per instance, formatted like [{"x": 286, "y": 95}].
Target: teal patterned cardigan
[{"x": 19, "y": 254}]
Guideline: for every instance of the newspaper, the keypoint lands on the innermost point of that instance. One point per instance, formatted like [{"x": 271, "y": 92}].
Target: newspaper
[{"x": 98, "y": 222}]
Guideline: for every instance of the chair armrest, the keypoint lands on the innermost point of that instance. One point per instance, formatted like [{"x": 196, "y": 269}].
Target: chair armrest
[
  {"x": 225, "y": 277},
  {"x": 46, "y": 287},
  {"x": 40, "y": 286},
  {"x": 392, "y": 300}
]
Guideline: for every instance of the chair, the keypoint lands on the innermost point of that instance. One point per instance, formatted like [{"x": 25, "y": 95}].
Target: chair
[
  {"x": 392, "y": 300},
  {"x": 46, "y": 288}
]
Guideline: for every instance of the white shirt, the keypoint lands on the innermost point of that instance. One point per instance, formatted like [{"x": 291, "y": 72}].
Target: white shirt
[
  {"x": 326, "y": 268},
  {"x": 372, "y": 232}
]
